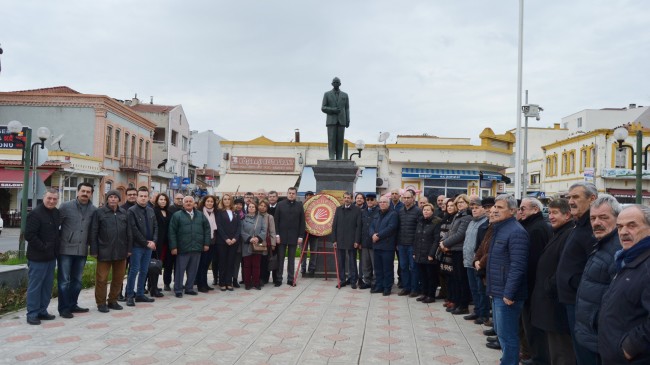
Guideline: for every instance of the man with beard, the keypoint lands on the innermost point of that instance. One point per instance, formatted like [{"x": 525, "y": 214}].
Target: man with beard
[
  {"x": 599, "y": 271},
  {"x": 547, "y": 314},
  {"x": 574, "y": 257}
]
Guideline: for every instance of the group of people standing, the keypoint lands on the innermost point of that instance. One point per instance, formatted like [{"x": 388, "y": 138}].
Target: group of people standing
[{"x": 563, "y": 289}]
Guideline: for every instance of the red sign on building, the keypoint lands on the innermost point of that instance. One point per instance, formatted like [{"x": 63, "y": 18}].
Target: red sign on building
[{"x": 253, "y": 163}]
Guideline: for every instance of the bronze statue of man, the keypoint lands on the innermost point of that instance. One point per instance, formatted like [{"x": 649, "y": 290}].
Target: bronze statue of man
[{"x": 337, "y": 107}]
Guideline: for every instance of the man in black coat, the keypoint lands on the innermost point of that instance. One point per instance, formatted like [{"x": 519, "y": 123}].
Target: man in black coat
[
  {"x": 599, "y": 271},
  {"x": 289, "y": 228},
  {"x": 547, "y": 314},
  {"x": 346, "y": 238},
  {"x": 576, "y": 251},
  {"x": 42, "y": 235},
  {"x": 367, "y": 263},
  {"x": 624, "y": 320},
  {"x": 110, "y": 243},
  {"x": 539, "y": 233}
]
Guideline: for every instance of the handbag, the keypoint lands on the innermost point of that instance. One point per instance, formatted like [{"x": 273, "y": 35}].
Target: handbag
[
  {"x": 273, "y": 262},
  {"x": 155, "y": 267},
  {"x": 260, "y": 246},
  {"x": 446, "y": 263}
]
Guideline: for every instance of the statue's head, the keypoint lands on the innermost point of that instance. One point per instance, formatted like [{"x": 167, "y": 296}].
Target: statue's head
[{"x": 336, "y": 82}]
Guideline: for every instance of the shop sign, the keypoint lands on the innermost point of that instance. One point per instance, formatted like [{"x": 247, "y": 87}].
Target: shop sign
[
  {"x": 11, "y": 185},
  {"x": 11, "y": 141},
  {"x": 623, "y": 174},
  {"x": 589, "y": 174},
  {"x": 253, "y": 163}
]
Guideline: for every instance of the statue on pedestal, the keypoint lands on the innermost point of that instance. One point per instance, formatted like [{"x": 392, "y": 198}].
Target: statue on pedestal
[{"x": 337, "y": 107}]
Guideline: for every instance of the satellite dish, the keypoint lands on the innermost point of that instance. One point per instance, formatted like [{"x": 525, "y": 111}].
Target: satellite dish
[
  {"x": 383, "y": 136},
  {"x": 57, "y": 140}
]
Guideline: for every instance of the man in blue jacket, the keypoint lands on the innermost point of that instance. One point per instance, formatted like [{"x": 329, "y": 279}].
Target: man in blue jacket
[
  {"x": 383, "y": 231},
  {"x": 506, "y": 275}
]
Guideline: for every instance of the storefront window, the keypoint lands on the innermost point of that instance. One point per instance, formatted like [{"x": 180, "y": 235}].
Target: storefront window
[{"x": 448, "y": 188}]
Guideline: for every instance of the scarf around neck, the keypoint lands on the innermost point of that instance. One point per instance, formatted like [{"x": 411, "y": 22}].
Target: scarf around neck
[
  {"x": 625, "y": 257},
  {"x": 209, "y": 213}
]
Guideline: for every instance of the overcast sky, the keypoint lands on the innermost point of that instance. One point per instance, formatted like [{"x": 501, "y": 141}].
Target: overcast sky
[{"x": 260, "y": 67}]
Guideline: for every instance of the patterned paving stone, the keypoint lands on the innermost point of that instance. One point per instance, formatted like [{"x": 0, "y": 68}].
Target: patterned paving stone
[
  {"x": 237, "y": 332},
  {"x": 262, "y": 311},
  {"x": 117, "y": 341},
  {"x": 296, "y": 322},
  {"x": 337, "y": 337},
  {"x": 250, "y": 320},
  {"x": 390, "y": 307},
  {"x": 182, "y": 307},
  {"x": 28, "y": 356},
  {"x": 390, "y": 328},
  {"x": 446, "y": 359},
  {"x": 286, "y": 335},
  {"x": 345, "y": 315},
  {"x": 442, "y": 342},
  {"x": 341, "y": 325},
  {"x": 94, "y": 326},
  {"x": 331, "y": 353},
  {"x": 144, "y": 327},
  {"x": 143, "y": 360},
  {"x": 80, "y": 359},
  {"x": 68, "y": 339},
  {"x": 390, "y": 317},
  {"x": 162, "y": 316},
  {"x": 390, "y": 356},
  {"x": 437, "y": 330},
  {"x": 389, "y": 340},
  {"x": 168, "y": 343},
  {"x": 222, "y": 346},
  {"x": 188, "y": 330},
  {"x": 206, "y": 318},
  {"x": 275, "y": 350},
  {"x": 53, "y": 325},
  {"x": 121, "y": 314},
  {"x": 18, "y": 338}
]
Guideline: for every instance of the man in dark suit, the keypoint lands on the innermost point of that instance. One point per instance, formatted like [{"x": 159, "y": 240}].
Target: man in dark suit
[
  {"x": 346, "y": 238},
  {"x": 337, "y": 107},
  {"x": 290, "y": 228}
]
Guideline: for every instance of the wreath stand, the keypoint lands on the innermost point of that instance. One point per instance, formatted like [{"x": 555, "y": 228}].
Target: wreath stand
[{"x": 320, "y": 251}]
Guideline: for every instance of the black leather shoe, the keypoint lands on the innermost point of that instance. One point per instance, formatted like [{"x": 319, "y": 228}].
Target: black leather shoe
[
  {"x": 115, "y": 306},
  {"x": 209, "y": 287},
  {"x": 236, "y": 285},
  {"x": 103, "y": 308},
  {"x": 480, "y": 320},
  {"x": 121, "y": 298},
  {"x": 492, "y": 339},
  {"x": 493, "y": 345},
  {"x": 353, "y": 285},
  {"x": 258, "y": 287},
  {"x": 386, "y": 293},
  {"x": 46, "y": 317},
  {"x": 375, "y": 291},
  {"x": 276, "y": 284},
  {"x": 290, "y": 282},
  {"x": 203, "y": 289},
  {"x": 470, "y": 317},
  {"x": 460, "y": 310},
  {"x": 490, "y": 332},
  {"x": 130, "y": 302},
  {"x": 78, "y": 309},
  {"x": 429, "y": 300},
  {"x": 179, "y": 295},
  {"x": 451, "y": 309},
  {"x": 167, "y": 288},
  {"x": 158, "y": 294},
  {"x": 343, "y": 283},
  {"x": 191, "y": 292},
  {"x": 66, "y": 315},
  {"x": 414, "y": 294},
  {"x": 33, "y": 321},
  {"x": 144, "y": 299},
  {"x": 364, "y": 286}
]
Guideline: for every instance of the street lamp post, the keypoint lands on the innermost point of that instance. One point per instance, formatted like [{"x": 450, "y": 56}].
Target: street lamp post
[
  {"x": 530, "y": 111},
  {"x": 620, "y": 134},
  {"x": 42, "y": 133}
]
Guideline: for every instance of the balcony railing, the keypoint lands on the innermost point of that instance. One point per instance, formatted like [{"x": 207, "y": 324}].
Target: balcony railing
[{"x": 132, "y": 163}]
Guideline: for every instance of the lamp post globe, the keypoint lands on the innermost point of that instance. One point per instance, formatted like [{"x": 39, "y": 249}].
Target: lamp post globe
[
  {"x": 620, "y": 134},
  {"x": 15, "y": 126},
  {"x": 43, "y": 133}
]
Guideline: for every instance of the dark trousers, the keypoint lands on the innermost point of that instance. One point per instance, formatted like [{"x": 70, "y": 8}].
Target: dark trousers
[
  {"x": 536, "y": 338},
  {"x": 313, "y": 247},
  {"x": 118, "y": 268},
  {"x": 215, "y": 266},
  {"x": 226, "y": 256},
  {"x": 458, "y": 283},
  {"x": 251, "y": 270},
  {"x": 560, "y": 348},
  {"x": 186, "y": 263},
  {"x": 351, "y": 257},
  {"x": 290, "y": 252},
  {"x": 236, "y": 266},
  {"x": 168, "y": 261},
  {"x": 40, "y": 280},
  {"x": 264, "y": 268},
  {"x": 477, "y": 288},
  {"x": 204, "y": 265},
  {"x": 429, "y": 278},
  {"x": 583, "y": 355},
  {"x": 335, "y": 135},
  {"x": 384, "y": 270}
]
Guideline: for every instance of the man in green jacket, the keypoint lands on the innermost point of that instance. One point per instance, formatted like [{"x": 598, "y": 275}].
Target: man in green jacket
[{"x": 189, "y": 234}]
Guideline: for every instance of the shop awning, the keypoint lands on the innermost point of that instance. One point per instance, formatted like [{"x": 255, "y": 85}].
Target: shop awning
[
  {"x": 10, "y": 178},
  {"x": 491, "y": 175},
  {"x": 626, "y": 193},
  {"x": 440, "y": 174},
  {"x": 243, "y": 183}
]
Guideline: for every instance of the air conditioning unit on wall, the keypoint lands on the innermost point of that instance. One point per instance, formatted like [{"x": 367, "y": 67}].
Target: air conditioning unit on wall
[{"x": 382, "y": 182}]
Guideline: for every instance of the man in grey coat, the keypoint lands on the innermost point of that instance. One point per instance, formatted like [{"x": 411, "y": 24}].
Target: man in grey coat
[
  {"x": 337, "y": 107},
  {"x": 76, "y": 217},
  {"x": 346, "y": 238}
]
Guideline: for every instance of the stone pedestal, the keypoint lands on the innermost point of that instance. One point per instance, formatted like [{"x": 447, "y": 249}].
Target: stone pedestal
[
  {"x": 333, "y": 177},
  {"x": 13, "y": 276}
]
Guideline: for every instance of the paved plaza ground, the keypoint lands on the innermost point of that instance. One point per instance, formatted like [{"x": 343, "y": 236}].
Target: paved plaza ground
[{"x": 312, "y": 323}]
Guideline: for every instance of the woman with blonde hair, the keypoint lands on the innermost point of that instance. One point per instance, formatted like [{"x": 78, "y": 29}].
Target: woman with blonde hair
[{"x": 228, "y": 237}]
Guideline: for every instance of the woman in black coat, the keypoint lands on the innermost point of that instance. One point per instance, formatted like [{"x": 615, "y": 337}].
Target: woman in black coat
[
  {"x": 228, "y": 237},
  {"x": 162, "y": 246},
  {"x": 427, "y": 234}
]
